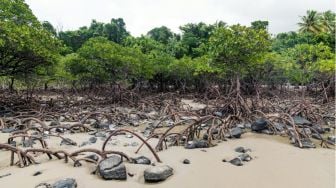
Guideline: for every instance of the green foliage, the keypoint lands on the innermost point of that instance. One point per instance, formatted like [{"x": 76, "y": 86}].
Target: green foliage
[
  {"x": 25, "y": 45},
  {"x": 161, "y": 34},
  {"x": 114, "y": 31},
  {"x": 259, "y": 25},
  {"x": 236, "y": 48}
]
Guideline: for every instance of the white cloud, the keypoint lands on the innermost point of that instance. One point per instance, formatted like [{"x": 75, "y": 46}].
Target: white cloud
[{"x": 142, "y": 15}]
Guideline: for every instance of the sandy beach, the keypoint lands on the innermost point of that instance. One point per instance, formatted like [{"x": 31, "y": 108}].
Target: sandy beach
[{"x": 275, "y": 164}]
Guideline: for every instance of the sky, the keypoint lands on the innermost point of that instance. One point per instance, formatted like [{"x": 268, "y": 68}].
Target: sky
[{"x": 141, "y": 16}]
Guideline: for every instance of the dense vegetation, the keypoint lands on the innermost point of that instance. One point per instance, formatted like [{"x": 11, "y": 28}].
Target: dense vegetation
[{"x": 232, "y": 58}]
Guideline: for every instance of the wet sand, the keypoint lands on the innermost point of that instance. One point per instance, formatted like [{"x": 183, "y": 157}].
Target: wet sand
[{"x": 275, "y": 164}]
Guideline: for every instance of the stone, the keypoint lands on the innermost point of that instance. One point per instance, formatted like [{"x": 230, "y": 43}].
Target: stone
[
  {"x": 129, "y": 136},
  {"x": 37, "y": 173},
  {"x": 240, "y": 150},
  {"x": 279, "y": 127},
  {"x": 68, "y": 141},
  {"x": 93, "y": 140},
  {"x": 205, "y": 136},
  {"x": 316, "y": 136},
  {"x": 28, "y": 143},
  {"x": 65, "y": 183},
  {"x": 306, "y": 143},
  {"x": 332, "y": 139},
  {"x": 93, "y": 157},
  {"x": 236, "y": 132},
  {"x": 298, "y": 120},
  {"x": 5, "y": 175},
  {"x": 219, "y": 114},
  {"x": 186, "y": 161},
  {"x": 12, "y": 143},
  {"x": 54, "y": 123},
  {"x": 245, "y": 157},
  {"x": 100, "y": 134},
  {"x": 134, "y": 117},
  {"x": 141, "y": 160},
  {"x": 158, "y": 173},
  {"x": 112, "y": 127},
  {"x": 8, "y": 130},
  {"x": 236, "y": 161},
  {"x": 112, "y": 168},
  {"x": 134, "y": 144},
  {"x": 266, "y": 131},
  {"x": 307, "y": 131},
  {"x": 259, "y": 125},
  {"x": 84, "y": 144},
  {"x": 197, "y": 144}
]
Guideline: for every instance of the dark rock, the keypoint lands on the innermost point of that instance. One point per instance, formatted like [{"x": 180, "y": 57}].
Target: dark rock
[
  {"x": 279, "y": 126},
  {"x": 93, "y": 140},
  {"x": 197, "y": 144},
  {"x": 59, "y": 130},
  {"x": 12, "y": 143},
  {"x": 5, "y": 175},
  {"x": 130, "y": 174},
  {"x": 141, "y": 160},
  {"x": 205, "y": 136},
  {"x": 316, "y": 136},
  {"x": 327, "y": 129},
  {"x": 236, "y": 132},
  {"x": 28, "y": 143},
  {"x": 112, "y": 168},
  {"x": 186, "y": 161},
  {"x": 134, "y": 144},
  {"x": 245, "y": 157},
  {"x": 65, "y": 183},
  {"x": 84, "y": 144},
  {"x": 37, "y": 173},
  {"x": 298, "y": 120},
  {"x": 54, "y": 123},
  {"x": 240, "y": 150},
  {"x": 266, "y": 131},
  {"x": 318, "y": 128},
  {"x": 214, "y": 131},
  {"x": 8, "y": 130},
  {"x": 219, "y": 114},
  {"x": 306, "y": 143},
  {"x": 224, "y": 160},
  {"x": 93, "y": 157},
  {"x": 259, "y": 125},
  {"x": 129, "y": 136},
  {"x": 68, "y": 141},
  {"x": 332, "y": 139},
  {"x": 158, "y": 173},
  {"x": 103, "y": 126},
  {"x": 100, "y": 134},
  {"x": 237, "y": 162},
  {"x": 307, "y": 131}
]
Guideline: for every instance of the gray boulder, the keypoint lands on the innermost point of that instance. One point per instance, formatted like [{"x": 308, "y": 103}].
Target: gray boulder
[
  {"x": 236, "y": 161},
  {"x": 65, "y": 183},
  {"x": 93, "y": 140},
  {"x": 332, "y": 139},
  {"x": 245, "y": 157},
  {"x": 112, "y": 168},
  {"x": 158, "y": 173},
  {"x": 197, "y": 144},
  {"x": 259, "y": 125},
  {"x": 298, "y": 120},
  {"x": 236, "y": 132},
  {"x": 141, "y": 160}
]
